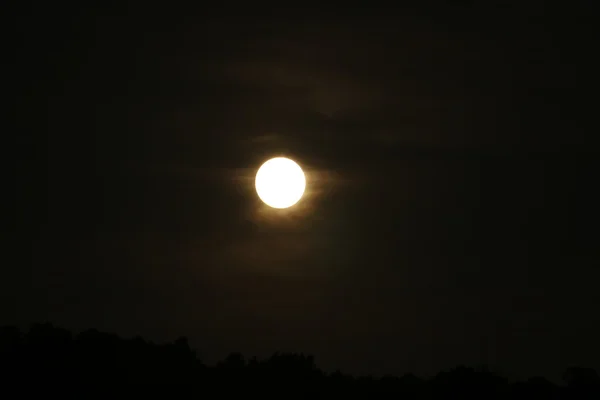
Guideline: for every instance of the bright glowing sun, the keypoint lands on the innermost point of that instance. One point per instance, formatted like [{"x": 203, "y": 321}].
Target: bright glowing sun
[{"x": 280, "y": 182}]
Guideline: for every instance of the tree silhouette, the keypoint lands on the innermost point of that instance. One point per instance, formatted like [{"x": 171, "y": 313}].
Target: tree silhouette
[{"x": 58, "y": 359}]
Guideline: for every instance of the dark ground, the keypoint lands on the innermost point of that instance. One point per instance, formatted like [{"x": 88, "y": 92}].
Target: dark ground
[{"x": 57, "y": 361}]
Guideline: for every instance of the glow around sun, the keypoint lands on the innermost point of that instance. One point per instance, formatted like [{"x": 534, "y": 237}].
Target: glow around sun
[{"x": 280, "y": 182}]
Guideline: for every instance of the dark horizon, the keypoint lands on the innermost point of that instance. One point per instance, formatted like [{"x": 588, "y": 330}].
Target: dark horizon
[
  {"x": 451, "y": 212},
  {"x": 50, "y": 352}
]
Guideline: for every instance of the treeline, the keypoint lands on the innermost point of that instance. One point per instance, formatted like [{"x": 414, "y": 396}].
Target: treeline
[{"x": 53, "y": 358}]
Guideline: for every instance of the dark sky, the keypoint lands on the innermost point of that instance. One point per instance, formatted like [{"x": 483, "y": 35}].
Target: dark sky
[{"x": 451, "y": 209}]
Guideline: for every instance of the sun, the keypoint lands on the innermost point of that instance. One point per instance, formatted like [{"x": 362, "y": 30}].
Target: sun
[{"x": 280, "y": 182}]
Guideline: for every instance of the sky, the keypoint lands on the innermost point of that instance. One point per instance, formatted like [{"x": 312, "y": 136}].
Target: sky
[{"x": 450, "y": 215}]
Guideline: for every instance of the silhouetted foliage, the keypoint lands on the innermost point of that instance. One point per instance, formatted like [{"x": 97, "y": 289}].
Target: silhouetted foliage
[{"x": 50, "y": 358}]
